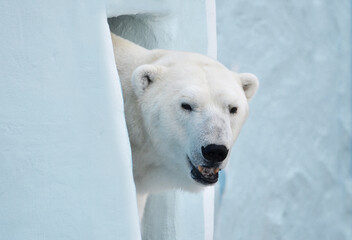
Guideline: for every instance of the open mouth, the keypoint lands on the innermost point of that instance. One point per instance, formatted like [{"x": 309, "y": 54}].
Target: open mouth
[{"x": 204, "y": 174}]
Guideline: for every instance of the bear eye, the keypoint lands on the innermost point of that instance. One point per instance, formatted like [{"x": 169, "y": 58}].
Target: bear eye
[
  {"x": 233, "y": 110},
  {"x": 186, "y": 106}
]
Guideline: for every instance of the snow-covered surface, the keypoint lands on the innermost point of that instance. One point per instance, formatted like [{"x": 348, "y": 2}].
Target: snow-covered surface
[
  {"x": 65, "y": 169},
  {"x": 290, "y": 172}
]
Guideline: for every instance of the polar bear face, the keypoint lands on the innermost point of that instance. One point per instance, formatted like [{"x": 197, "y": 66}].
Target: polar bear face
[{"x": 193, "y": 109}]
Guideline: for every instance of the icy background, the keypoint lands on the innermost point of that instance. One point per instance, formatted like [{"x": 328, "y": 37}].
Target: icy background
[
  {"x": 65, "y": 169},
  {"x": 290, "y": 173}
]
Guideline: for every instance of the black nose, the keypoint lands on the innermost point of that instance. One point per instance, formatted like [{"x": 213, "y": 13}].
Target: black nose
[{"x": 215, "y": 153}]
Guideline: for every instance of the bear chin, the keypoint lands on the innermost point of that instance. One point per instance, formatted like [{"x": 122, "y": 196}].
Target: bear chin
[{"x": 205, "y": 175}]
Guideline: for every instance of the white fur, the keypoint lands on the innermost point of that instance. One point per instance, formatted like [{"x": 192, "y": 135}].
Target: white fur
[{"x": 163, "y": 135}]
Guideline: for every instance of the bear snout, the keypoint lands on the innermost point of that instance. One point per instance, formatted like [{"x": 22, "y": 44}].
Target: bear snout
[{"x": 215, "y": 153}]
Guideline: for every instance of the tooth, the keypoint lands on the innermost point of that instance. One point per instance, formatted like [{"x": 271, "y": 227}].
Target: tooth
[
  {"x": 216, "y": 170},
  {"x": 200, "y": 168}
]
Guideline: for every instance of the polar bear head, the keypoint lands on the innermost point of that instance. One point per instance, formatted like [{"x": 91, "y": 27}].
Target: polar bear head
[{"x": 193, "y": 109}]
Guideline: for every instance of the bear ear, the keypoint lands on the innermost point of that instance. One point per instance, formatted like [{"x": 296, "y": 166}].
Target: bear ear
[
  {"x": 250, "y": 84},
  {"x": 145, "y": 75}
]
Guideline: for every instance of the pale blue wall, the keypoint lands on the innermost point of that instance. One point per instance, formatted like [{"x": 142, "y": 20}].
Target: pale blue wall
[
  {"x": 63, "y": 140},
  {"x": 290, "y": 172}
]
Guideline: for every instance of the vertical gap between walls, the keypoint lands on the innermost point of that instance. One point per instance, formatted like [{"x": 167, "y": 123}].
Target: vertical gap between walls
[
  {"x": 350, "y": 58},
  {"x": 209, "y": 193},
  {"x": 211, "y": 28}
]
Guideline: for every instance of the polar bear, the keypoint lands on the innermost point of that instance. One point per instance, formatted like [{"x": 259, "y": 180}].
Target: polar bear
[{"x": 183, "y": 113}]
